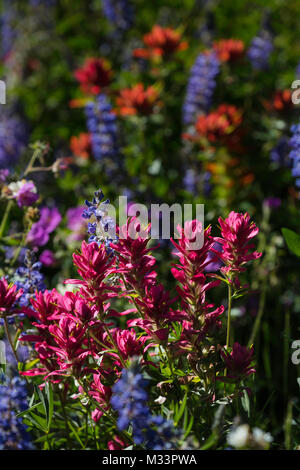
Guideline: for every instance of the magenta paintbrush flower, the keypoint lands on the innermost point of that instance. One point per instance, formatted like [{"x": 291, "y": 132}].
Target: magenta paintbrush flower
[
  {"x": 238, "y": 362},
  {"x": 92, "y": 262},
  {"x": 135, "y": 260},
  {"x": 237, "y": 233},
  {"x": 9, "y": 294}
]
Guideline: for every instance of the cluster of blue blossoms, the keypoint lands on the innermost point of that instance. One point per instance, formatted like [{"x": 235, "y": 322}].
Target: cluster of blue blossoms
[
  {"x": 13, "y": 433},
  {"x": 29, "y": 279},
  {"x": 280, "y": 153},
  {"x": 130, "y": 400},
  {"x": 46, "y": 3},
  {"x": 13, "y": 139},
  {"x": 192, "y": 180},
  {"x": 260, "y": 50},
  {"x": 102, "y": 228},
  {"x": 201, "y": 85},
  {"x": 7, "y": 30},
  {"x": 101, "y": 123},
  {"x": 119, "y": 13},
  {"x": 295, "y": 153}
]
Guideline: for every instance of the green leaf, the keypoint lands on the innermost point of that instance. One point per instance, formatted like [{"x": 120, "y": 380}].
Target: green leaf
[
  {"x": 189, "y": 427},
  {"x": 37, "y": 421},
  {"x": 210, "y": 442},
  {"x": 49, "y": 394},
  {"x": 28, "y": 411},
  {"x": 181, "y": 409},
  {"x": 76, "y": 434},
  {"x": 292, "y": 240},
  {"x": 246, "y": 402},
  {"x": 42, "y": 398}
]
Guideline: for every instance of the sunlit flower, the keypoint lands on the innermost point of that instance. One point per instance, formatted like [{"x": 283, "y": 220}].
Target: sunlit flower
[
  {"x": 161, "y": 42},
  {"x": 229, "y": 50},
  {"x": 137, "y": 100}
]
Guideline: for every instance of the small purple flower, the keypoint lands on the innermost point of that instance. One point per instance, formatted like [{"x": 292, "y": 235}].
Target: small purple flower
[
  {"x": 3, "y": 175},
  {"x": 272, "y": 202},
  {"x": 47, "y": 258},
  {"x": 39, "y": 233},
  {"x": 27, "y": 195},
  {"x": 76, "y": 223},
  {"x": 24, "y": 192}
]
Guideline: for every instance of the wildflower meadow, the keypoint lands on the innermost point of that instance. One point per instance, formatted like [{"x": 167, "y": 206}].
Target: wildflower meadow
[{"x": 149, "y": 226}]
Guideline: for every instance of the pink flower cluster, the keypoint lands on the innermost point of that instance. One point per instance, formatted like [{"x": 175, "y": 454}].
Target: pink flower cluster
[{"x": 78, "y": 334}]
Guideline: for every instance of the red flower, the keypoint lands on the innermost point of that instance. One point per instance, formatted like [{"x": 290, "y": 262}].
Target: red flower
[
  {"x": 69, "y": 337},
  {"x": 135, "y": 261},
  {"x": 137, "y": 100},
  {"x": 161, "y": 42},
  {"x": 127, "y": 342},
  {"x": 8, "y": 296},
  {"x": 238, "y": 362},
  {"x": 76, "y": 307},
  {"x": 282, "y": 102},
  {"x": 229, "y": 50},
  {"x": 81, "y": 145},
  {"x": 116, "y": 444},
  {"x": 92, "y": 263},
  {"x": 196, "y": 315},
  {"x": 93, "y": 76},
  {"x": 237, "y": 232},
  {"x": 220, "y": 123},
  {"x": 102, "y": 395}
]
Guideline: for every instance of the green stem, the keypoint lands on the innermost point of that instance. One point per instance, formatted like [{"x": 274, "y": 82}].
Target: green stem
[
  {"x": 65, "y": 418},
  {"x": 115, "y": 346},
  {"x": 35, "y": 155},
  {"x": 169, "y": 362},
  {"x": 5, "y": 217},
  {"x": 18, "y": 250},
  {"x": 261, "y": 308},
  {"x": 6, "y": 328}
]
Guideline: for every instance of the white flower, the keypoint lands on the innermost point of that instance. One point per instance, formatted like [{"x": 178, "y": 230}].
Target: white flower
[
  {"x": 16, "y": 186},
  {"x": 239, "y": 436},
  {"x": 261, "y": 438},
  {"x": 160, "y": 400}
]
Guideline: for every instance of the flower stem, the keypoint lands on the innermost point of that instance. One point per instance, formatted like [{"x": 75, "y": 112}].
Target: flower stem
[
  {"x": 228, "y": 316},
  {"x": 115, "y": 346},
  {"x": 65, "y": 419},
  {"x": 5, "y": 217},
  {"x": 261, "y": 308},
  {"x": 6, "y": 328}
]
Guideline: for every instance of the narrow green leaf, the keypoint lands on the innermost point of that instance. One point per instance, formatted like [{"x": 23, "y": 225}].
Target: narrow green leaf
[
  {"x": 49, "y": 393},
  {"x": 181, "y": 409}
]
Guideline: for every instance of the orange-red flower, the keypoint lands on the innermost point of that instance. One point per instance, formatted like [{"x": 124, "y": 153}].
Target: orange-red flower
[
  {"x": 219, "y": 123},
  {"x": 282, "y": 101},
  {"x": 160, "y": 42},
  {"x": 81, "y": 145},
  {"x": 229, "y": 50},
  {"x": 137, "y": 100},
  {"x": 93, "y": 76}
]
